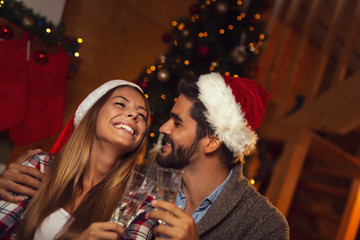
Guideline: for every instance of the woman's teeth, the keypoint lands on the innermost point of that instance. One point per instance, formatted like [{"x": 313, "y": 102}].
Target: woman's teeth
[{"x": 125, "y": 127}]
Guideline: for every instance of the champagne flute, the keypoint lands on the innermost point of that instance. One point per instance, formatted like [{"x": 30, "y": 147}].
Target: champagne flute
[
  {"x": 167, "y": 184},
  {"x": 137, "y": 189}
]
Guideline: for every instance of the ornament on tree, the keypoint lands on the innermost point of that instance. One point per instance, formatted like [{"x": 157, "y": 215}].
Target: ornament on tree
[
  {"x": 28, "y": 22},
  {"x": 203, "y": 51},
  {"x": 41, "y": 57},
  {"x": 239, "y": 54},
  {"x": 222, "y": 7},
  {"x": 6, "y": 32},
  {"x": 163, "y": 75},
  {"x": 166, "y": 37},
  {"x": 186, "y": 32},
  {"x": 194, "y": 9},
  {"x": 188, "y": 45}
]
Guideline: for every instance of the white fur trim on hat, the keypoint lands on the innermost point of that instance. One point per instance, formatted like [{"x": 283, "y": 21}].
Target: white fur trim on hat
[
  {"x": 224, "y": 114},
  {"x": 95, "y": 95}
]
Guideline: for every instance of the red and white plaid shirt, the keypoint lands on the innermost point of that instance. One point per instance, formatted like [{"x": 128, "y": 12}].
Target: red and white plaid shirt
[{"x": 12, "y": 213}]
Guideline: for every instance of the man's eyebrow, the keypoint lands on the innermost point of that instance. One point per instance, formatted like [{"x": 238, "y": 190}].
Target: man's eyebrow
[
  {"x": 127, "y": 100},
  {"x": 176, "y": 116}
]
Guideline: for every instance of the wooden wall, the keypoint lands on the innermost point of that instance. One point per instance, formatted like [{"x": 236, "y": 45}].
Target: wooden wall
[{"x": 120, "y": 38}]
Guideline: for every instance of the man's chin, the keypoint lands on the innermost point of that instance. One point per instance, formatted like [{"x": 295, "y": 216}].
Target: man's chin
[{"x": 167, "y": 161}]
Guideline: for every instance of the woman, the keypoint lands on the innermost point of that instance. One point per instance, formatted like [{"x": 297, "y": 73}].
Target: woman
[{"x": 105, "y": 140}]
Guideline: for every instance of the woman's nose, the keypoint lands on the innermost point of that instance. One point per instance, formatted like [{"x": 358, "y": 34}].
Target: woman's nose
[{"x": 133, "y": 114}]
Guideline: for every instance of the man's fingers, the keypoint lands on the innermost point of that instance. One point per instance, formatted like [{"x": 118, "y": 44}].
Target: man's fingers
[
  {"x": 4, "y": 195},
  {"x": 167, "y": 206},
  {"x": 13, "y": 173},
  {"x": 28, "y": 154}
]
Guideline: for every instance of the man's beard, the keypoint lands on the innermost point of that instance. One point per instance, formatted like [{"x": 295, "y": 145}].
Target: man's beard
[{"x": 181, "y": 158}]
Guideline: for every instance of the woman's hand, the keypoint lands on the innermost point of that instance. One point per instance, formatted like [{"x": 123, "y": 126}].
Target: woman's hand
[
  {"x": 102, "y": 230},
  {"x": 20, "y": 179},
  {"x": 179, "y": 224}
]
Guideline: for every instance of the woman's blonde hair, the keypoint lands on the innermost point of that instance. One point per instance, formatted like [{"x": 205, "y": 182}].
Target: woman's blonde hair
[{"x": 65, "y": 180}]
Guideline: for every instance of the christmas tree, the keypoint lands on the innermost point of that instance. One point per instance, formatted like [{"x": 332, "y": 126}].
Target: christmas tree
[{"x": 220, "y": 35}]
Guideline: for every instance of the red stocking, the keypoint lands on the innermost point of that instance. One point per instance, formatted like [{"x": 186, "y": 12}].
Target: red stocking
[
  {"x": 13, "y": 82},
  {"x": 47, "y": 85}
]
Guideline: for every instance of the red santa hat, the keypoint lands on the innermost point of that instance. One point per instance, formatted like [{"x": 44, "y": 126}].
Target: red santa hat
[
  {"x": 84, "y": 107},
  {"x": 235, "y": 109}
]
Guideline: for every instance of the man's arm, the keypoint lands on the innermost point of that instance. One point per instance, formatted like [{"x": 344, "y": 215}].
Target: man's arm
[{"x": 20, "y": 179}]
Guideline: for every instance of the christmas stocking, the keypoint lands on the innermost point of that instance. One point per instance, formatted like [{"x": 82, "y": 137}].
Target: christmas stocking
[
  {"x": 13, "y": 82},
  {"x": 47, "y": 86}
]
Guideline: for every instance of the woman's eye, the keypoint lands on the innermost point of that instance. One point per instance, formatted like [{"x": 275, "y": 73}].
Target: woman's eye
[
  {"x": 120, "y": 103},
  {"x": 142, "y": 115}
]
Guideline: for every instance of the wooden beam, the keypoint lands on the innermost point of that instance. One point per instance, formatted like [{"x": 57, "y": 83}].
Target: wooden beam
[
  {"x": 287, "y": 172},
  {"x": 343, "y": 62},
  {"x": 351, "y": 217},
  {"x": 290, "y": 17},
  {"x": 289, "y": 80},
  {"x": 277, "y": 132},
  {"x": 336, "y": 111},
  {"x": 326, "y": 50}
]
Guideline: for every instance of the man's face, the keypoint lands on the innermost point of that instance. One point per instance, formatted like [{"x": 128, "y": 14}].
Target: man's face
[{"x": 179, "y": 143}]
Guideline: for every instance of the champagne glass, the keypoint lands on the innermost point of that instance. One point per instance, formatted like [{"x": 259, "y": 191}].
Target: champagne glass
[{"x": 137, "y": 189}]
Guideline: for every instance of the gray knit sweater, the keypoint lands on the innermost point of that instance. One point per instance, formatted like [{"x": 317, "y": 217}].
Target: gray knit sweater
[{"x": 240, "y": 212}]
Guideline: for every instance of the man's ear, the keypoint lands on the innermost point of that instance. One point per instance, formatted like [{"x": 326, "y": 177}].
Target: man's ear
[{"x": 213, "y": 144}]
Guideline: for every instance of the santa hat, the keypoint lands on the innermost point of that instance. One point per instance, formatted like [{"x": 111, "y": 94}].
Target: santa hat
[
  {"x": 235, "y": 109},
  {"x": 84, "y": 107}
]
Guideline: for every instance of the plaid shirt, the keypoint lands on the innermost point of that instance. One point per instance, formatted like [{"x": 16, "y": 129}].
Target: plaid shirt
[{"x": 12, "y": 213}]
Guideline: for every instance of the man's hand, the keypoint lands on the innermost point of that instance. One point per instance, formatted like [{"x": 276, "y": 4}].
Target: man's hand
[
  {"x": 102, "y": 230},
  {"x": 179, "y": 225},
  {"x": 15, "y": 176}
]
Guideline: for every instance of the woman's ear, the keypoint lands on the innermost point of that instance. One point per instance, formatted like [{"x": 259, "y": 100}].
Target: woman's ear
[{"x": 213, "y": 144}]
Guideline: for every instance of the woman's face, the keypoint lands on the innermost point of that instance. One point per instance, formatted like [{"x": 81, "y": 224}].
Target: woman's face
[{"x": 121, "y": 122}]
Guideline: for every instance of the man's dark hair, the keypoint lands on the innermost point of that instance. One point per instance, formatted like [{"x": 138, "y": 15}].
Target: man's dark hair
[{"x": 188, "y": 87}]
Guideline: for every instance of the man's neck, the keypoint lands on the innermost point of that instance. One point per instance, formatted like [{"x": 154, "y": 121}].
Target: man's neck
[{"x": 200, "y": 180}]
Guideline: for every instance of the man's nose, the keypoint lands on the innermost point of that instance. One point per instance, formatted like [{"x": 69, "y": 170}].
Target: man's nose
[{"x": 166, "y": 127}]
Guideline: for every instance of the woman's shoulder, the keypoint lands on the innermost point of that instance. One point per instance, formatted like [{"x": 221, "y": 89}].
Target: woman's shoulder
[{"x": 40, "y": 161}]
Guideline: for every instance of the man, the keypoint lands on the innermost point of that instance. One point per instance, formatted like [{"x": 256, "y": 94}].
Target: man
[{"x": 212, "y": 126}]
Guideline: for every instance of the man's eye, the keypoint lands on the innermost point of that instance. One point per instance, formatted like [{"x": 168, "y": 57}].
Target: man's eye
[{"x": 176, "y": 123}]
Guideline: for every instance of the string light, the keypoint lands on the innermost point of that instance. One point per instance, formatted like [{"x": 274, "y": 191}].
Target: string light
[
  {"x": 211, "y": 68},
  {"x": 186, "y": 62},
  {"x": 163, "y": 96},
  {"x": 251, "y": 28},
  {"x": 79, "y": 40},
  {"x": 148, "y": 71},
  {"x": 231, "y": 27},
  {"x": 227, "y": 73},
  {"x": 257, "y": 16},
  {"x": 236, "y": 75},
  {"x": 146, "y": 95},
  {"x": 261, "y": 36},
  {"x": 76, "y": 54},
  {"x": 174, "y": 23},
  {"x": 252, "y": 181},
  {"x": 222, "y": 31},
  {"x": 152, "y": 135},
  {"x": 175, "y": 99},
  {"x": 48, "y": 30},
  {"x": 207, "y": 2}
]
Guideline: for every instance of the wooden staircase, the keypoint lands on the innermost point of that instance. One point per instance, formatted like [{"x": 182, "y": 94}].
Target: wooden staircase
[{"x": 316, "y": 179}]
